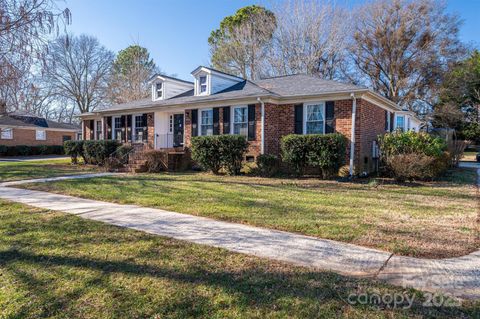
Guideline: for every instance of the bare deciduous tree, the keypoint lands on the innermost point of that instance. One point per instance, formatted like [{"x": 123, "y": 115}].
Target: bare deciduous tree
[
  {"x": 77, "y": 69},
  {"x": 24, "y": 27},
  {"x": 401, "y": 48},
  {"x": 310, "y": 37}
]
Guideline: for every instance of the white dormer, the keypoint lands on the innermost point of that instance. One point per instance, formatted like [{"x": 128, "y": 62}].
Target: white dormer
[
  {"x": 209, "y": 81},
  {"x": 165, "y": 87}
]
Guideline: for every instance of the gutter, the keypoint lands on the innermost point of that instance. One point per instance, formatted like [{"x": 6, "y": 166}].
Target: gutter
[
  {"x": 262, "y": 130},
  {"x": 352, "y": 137}
]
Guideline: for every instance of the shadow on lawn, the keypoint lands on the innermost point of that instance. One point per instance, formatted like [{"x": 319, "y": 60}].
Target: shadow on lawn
[{"x": 253, "y": 288}]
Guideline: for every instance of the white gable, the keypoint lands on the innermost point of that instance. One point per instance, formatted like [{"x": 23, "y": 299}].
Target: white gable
[
  {"x": 164, "y": 87},
  {"x": 208, "y": 81}
]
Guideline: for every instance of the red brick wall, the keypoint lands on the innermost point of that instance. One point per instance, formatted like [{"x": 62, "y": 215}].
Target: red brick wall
[
  {"x": 254, "y": 146},
  {"x": 279, "y": 121},
  {"x": 88, "y": 130},
  {"x": 150, "y": 129},
  {"x": 371, "y": 124},
  {"x": 27, "y": 137}
]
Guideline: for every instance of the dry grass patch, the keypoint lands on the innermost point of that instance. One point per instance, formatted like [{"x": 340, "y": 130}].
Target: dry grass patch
[{"x": 432, "y": 220}]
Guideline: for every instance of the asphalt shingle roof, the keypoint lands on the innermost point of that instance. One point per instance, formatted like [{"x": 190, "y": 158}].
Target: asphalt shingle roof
[
  {"x": 283, "y": 86},
  {"x": 33, "y": 121}
]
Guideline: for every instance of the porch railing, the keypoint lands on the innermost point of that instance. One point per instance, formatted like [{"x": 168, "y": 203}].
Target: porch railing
[{"x": 168, "y": 140}]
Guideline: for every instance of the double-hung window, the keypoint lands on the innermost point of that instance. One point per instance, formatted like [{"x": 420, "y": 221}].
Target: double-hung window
[
  {"x": 206, "y": 124},
  {"x": 6, "y": 133},
  {"x": 401, "y": 123},
  {"x": 240, "y": 120},
  {"x": 40, "y": 135},
  {"x": 98, "y": 130},
  {"x": 117, "y": 128},
  {"x": 159, "y": 90},
  {"x": 203, "y": 84},
  {"x": 139, "y": 130},
  {"x": 314, "y": 118}
]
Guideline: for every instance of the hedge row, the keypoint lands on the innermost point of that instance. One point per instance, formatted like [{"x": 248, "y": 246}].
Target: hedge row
[
  {"x": 220, "y": 151},
  {"x": 26, "y": 150},
  {"x": 322, "y": 152},
  {"x": 92, "y": 152}
]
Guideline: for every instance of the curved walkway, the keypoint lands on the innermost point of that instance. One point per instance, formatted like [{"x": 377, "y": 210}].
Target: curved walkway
[{"x": 459, "y": 277}]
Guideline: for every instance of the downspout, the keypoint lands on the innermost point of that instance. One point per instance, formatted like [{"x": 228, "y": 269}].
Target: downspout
[
  {"x": 262, "y": 125},
  {"x": 352, "y": 137}
]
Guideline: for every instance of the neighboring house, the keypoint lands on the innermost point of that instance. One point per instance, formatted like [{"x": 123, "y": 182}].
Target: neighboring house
[
  {"x": 263, "y": 111},
  {"x": 24, "y": 129}
]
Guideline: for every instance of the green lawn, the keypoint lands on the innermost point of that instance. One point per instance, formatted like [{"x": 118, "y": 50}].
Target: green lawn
[
  {"x": 54, "y": 265},
  {"x": 10, "y": 171},
  {"x": 437, "y": 219}
]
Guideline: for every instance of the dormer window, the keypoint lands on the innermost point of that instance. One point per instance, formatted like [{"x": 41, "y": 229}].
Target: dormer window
[
  {"x": 159, "y": 90},
  {"x": 203, "y": 84}
]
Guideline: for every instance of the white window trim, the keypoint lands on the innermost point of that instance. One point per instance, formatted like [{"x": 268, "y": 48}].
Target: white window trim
[
  {"x": 232, "y": 117},
  {"x": 396, "y": 122},
  {"x": 11, "y": 133},
  {"x": 134, "y": 127},
  {"x": 114, "y": 133},
  {"x": 162, "y": 90},
  {"x": 101, "y": 130},
  {"x": 207, "y": 84},
  {"x": 199, "y": 124},
  {"x": 305, "y": 108},
  {"x": 44, "y": 135}
]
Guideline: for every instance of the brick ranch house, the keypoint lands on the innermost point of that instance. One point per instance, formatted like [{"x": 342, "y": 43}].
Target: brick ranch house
[
  {"x": 263, "y": 111},
  {"x": 25, "y": 129}
]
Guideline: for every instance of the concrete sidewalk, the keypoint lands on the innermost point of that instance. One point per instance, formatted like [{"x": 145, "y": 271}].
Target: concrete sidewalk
[{"x": 459, "y": 277}]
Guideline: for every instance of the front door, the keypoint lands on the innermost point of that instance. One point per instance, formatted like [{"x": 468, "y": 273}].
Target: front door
[{"x": 177, "y": 130}]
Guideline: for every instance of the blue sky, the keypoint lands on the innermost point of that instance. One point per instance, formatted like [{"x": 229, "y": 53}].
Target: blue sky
[{"x": 176, "y": 31}]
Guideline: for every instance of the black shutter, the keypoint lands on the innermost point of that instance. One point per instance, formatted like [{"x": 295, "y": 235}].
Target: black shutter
[
  {"x": 194, "y": 122},
  {"x": 299, "y": 119},
  {"x": 329, "y": 116},
  {"x": 144, "y": 124},
  {"x": 92, "y": 128},
  {"x": 109, "y": 128},
  {"x": 216, "y": 120},
  {"x": 386, "y": 120},
  {"x": 251, "y": 122},
  {"x": 226, "y": 120},
  {"x": 123, "y": 124},
  {"x": 392, "y": 117},
  {"x": 129, "y": 128}
]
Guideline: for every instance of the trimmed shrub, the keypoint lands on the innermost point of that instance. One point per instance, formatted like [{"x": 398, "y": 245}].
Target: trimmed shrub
[
  {"x": 232, "y": 151},
  {"x": 74, "y": 149},
  {"x": 413, "y": 156},
  {"x": 411, "y": 142},
  {"x": 325, "y": 152},
  {"x": 206, "y": 152},
  {"x": 267, "y": 164},
  {"x": 3, "y": 150},
  {"x": 220, "y": 151},
  {"x": 96, "y": 152}
]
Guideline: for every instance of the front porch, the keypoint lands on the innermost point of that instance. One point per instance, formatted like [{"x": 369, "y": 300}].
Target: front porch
[
  {"x": 161, "y": 131},
  {"x": 157, "y": 130}
]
